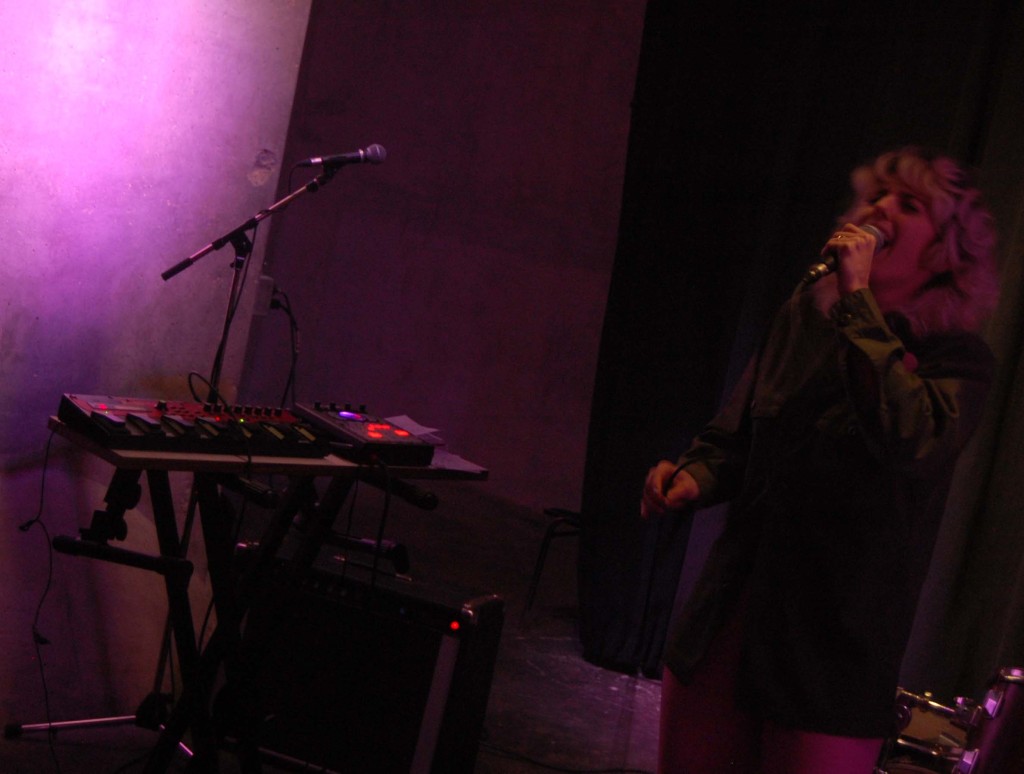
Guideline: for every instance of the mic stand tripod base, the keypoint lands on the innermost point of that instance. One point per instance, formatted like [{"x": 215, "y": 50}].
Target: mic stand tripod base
[{"x": 17, "y": 730}]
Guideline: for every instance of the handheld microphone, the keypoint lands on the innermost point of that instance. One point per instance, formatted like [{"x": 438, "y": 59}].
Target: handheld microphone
[
  {"x": 829, "y": 263},
  {"x": 372, "y": 154}
]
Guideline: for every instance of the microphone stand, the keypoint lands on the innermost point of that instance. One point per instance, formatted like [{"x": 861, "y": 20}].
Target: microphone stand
[
  {"x": 242, "y": 243},
  {"x": 311, "y": 187},
  {"x": 239, "y": 239}
]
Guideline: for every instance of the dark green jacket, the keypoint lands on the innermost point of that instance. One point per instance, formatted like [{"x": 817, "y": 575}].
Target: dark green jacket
[{"x": 836, "y": 451}]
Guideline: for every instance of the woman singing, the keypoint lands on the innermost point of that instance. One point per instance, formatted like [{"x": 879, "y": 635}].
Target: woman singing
[{"x": 835, "y": 451}]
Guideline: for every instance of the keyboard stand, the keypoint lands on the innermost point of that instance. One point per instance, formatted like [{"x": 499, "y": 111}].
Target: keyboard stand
[{"x": 231, "y": 595}]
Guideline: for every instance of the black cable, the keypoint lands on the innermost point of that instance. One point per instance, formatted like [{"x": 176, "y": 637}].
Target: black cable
[
  {"x": 291, "y": 175},
  {"x": 353, "y": 496},
  {"x": 38, "y": 640},
  {"x": 37, "y": 519},
  {"x": 218, "y": 398},
  {"x": 293, "y": 333},
  {"x": 234, "y": 541},
  {"x": 214, "y": 394},
  {"x": 383, "y": 522},
  {"x": 286, "y": 307}
]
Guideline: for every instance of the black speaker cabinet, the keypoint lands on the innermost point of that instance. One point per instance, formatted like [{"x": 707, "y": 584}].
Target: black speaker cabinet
[{"x": 353, "y": 673}]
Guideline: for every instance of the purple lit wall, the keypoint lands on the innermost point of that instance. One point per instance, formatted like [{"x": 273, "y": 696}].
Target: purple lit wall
[
  {"x": 462, "y": 282},
  {"x": 131, "y": 134}
]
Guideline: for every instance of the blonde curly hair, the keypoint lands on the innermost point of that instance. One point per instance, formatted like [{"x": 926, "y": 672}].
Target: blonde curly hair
[{"x": 964, "y": 287}]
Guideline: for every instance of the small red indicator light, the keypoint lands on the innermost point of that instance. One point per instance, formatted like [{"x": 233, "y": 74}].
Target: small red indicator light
[
  {"x": 402, "y": 433},
  {"x": 375, "y": 435},
  {"x": 454, "y": 626}
]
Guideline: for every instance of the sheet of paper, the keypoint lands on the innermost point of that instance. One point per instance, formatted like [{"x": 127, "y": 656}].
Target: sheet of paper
[{"x": 427, "y": 434}]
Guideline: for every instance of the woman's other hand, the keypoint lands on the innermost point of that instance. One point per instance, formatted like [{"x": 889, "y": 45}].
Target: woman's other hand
[{"x": 667, "y": 489}]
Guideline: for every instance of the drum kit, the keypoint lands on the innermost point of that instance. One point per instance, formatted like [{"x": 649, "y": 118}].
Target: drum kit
[{"x": 971, "y": 737}]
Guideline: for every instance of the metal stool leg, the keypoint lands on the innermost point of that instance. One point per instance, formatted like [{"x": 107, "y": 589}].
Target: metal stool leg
[{"x": 570, "y": 521}]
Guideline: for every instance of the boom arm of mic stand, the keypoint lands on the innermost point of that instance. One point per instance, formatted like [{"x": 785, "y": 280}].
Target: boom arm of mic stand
[{"x": 232, "y": 236}]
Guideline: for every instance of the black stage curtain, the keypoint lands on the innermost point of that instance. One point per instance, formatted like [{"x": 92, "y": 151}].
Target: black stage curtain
[{"x": 746, "y": 122}]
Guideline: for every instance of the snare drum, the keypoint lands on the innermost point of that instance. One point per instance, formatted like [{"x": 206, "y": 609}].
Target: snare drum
[
  {"x": 995, "y": 741},
  {"x": 927, "y": 739}
]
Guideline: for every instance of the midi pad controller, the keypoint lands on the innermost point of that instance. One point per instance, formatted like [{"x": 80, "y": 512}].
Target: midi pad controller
[{"x": 362, "y": 437}]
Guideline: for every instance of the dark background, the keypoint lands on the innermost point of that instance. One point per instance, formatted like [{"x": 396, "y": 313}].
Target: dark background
[
  {"x": 587, "y": 212},
  {"x": 746, "y": 123},
  {"x": 743, "y": 126}
]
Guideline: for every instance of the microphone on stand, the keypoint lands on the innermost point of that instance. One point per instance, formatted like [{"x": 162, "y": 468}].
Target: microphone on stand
[
  {"x": 372, "y": 154},
  {"x": 829, "y": 263}
]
